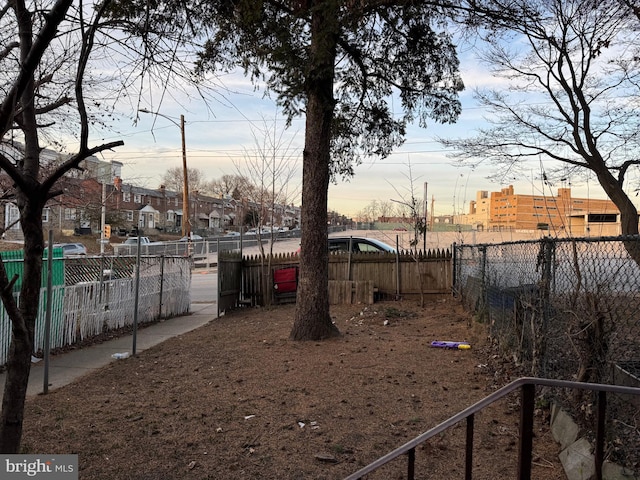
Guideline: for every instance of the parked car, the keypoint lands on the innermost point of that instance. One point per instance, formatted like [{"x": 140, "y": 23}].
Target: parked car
[
  {"x": 134, "y": 241},
  {"x": 359, "y": 245},
  {"x": 232, "y": 234},
  {"x": 194, "y": 238},
  {"x": 261, "y": 231},
  {"x": 71, "y": 249}
]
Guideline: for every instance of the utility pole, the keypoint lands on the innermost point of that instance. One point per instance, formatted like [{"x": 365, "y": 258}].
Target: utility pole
[
  {"x": 433, "y": 202},
  {"x": 103, "y": 217},
  {"x": 186, "y": 220},
  {"x": 425, "y": 218}
]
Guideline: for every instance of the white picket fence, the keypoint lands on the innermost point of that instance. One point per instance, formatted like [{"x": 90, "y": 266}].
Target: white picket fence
[{"x": 88, "y": 309}]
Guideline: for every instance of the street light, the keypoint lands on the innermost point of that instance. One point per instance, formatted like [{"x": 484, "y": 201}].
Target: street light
[{"x": 186, "y": 222}]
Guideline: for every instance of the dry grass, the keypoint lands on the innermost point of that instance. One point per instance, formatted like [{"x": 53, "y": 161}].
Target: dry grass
[{"x": 236, "y": 399}]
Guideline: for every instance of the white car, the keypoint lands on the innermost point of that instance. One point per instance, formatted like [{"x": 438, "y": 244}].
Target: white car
[
  {"x": 193, "y": 238},
  {"x": 134, "y": 241},
  {"x": 71, "y": 249}
]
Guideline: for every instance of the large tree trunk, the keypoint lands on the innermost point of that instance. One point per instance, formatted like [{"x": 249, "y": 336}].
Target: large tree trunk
[
  {"x": 312, "y": 319},
  {"x": 23, "y": 324},
  {"x": 628, "y": 211},
  {"x": 15, "y": 389}
]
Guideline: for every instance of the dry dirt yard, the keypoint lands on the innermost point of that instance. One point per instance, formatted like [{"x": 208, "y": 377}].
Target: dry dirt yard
[{"x": 236, "y": 399}]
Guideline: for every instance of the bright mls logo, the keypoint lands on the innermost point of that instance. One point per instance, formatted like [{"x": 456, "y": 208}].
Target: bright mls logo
[{"x": 51, "y": 467}]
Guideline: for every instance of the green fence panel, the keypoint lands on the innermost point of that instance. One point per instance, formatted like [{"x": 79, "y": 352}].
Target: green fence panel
[{"x": 13, "y": 264}]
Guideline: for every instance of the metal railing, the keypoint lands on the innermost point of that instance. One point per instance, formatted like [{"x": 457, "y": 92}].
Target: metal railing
[{"x": 527, "y": 386}]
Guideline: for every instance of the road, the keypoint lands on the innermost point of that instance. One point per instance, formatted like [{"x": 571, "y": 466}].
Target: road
[{"x": 204, "y": 285}]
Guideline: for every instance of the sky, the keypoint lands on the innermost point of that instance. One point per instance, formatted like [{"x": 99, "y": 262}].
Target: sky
[{"x": 219, "y": 138}]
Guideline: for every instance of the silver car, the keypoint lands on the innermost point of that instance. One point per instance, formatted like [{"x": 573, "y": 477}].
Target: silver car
[
  {"x": 71, "y": 249},
  {"x": 359, "y": 245}
]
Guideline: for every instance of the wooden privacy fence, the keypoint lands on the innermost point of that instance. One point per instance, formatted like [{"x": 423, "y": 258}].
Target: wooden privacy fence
[
  {"x": 353, "y": 278},
  {"x": 98, "y": 305},
  {"x": 229, "y": 280}
]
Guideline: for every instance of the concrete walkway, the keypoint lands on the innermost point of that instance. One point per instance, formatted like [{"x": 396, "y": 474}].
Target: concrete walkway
[{"x": 67, "y": 367}]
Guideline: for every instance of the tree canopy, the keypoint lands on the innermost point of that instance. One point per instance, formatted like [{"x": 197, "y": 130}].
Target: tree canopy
[
  {"x": 386, "y": 56},
  {"x": 358, "y": 71},
  {"x": 173, "y": 179}
]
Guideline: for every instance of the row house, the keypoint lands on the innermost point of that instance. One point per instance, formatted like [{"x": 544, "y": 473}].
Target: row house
[
  {"x": 129, "y": 208},
  {"x": 162, "y": 209},
  {"x": 77, "y": 209}
]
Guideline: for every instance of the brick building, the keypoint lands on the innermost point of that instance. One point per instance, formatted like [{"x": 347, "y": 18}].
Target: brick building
[
  {"x": 78, "y": 206},
  {"x": 507, "y": 210}
]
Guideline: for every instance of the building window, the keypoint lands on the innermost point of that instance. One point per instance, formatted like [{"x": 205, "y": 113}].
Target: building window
[
  {"x": 175, "y": 201},
  {"x": 126, "y": 197},
  {"x": 603, "y": 217},
  {"x": 46, "y": 212},
  {"x": 69, "y": 213},
  {"x": 12, "y": 217},
  {"x": 137, "y": 198},
  {"x": 129, "y": 216},
  {"x": 171, "y": 216}
]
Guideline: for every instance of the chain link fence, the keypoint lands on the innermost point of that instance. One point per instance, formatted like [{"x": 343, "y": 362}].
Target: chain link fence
[{"x": 565, "y": 309}]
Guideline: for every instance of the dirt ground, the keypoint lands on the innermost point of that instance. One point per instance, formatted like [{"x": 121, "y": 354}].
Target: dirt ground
[{"x": 236, "y": 399}]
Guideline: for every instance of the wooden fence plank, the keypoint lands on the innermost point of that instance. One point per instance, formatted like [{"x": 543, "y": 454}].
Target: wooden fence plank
[
  {"x": 340, "y": 292},
  {"x": 364, "y": 292}
]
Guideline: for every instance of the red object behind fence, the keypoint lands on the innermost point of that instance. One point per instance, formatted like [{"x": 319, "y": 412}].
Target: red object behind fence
[{"x": 285, "y": 280}]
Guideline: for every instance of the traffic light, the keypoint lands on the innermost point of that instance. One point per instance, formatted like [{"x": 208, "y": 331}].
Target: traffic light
[{"x": 107, "y": 231}]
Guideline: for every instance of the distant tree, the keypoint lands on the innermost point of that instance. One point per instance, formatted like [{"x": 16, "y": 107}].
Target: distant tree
[
  {"x": 412, "y": 208},
  {"x": 371, "y": 211},
  {"x": 270, "y": 167},
  {"x": 386, "y": 209},
  {"x": 234, "y": 186},
  {"x": 173, "y": 179}
]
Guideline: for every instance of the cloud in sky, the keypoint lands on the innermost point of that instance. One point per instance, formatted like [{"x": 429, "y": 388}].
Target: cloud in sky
[{"x": 219, "y": 137}]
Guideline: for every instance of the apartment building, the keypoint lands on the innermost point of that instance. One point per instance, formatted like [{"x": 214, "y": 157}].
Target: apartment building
[{"x": 560, "y": 214}]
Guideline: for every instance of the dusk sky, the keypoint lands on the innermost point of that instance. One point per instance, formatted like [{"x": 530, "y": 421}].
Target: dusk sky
[{"x": 220, "y": 139}]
